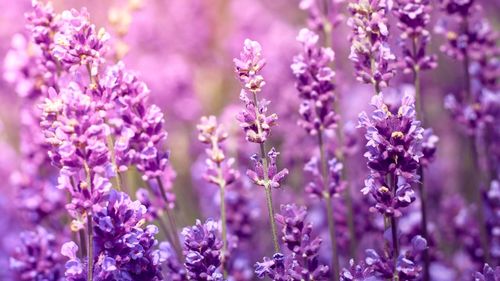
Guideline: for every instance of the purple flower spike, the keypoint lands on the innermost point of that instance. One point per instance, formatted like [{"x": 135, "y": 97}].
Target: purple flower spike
[
  {"x": 37, "y": 257},
  {"x": 314, "y": 83},
  {"x": 370, "y": 52},
  {"x": 394, "y": 149},
  {"x": 210, "y": 132},
  {"x": 275, "y": 177},
  {"x": 414, "y": 15},
  {"x": 202, "y": 248},
  {"x": 77, "y": 43},
  {"x": 249, "y": 65}
]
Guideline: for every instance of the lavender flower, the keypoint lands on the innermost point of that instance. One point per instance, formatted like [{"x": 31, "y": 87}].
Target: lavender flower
[
  {"x": 370, "y": 52},
  {"x": 381, "y": 267},
  {"x": 272, "y": 177},
  {"x": 299, "y": 240},
  {"x": 314, "y": 83},
  {"x": 202, "y": 248},
  {"x": 488, "y": 274},
  {"x": 174, "y": 269},
  {"x": 414, "y": 15},
  {"x": 78, "y": 43},
  {"x": 394, "y": 149},
  {"x": 249, "y": 65},
  {"x": 123, "y": 249},
  {"x": 219, "y": 171},
  {"x": 275, "y": 268},
  {"x": 37, "y": 257},
  {"x": 335, "y": 183}
]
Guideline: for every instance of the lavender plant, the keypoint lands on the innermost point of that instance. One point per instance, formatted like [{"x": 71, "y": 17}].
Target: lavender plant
[{"x": 96, "y": 189}]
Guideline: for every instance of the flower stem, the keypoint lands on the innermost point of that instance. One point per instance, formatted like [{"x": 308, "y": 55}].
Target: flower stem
[
  {"x": 224, "y": 230},
  {"x": 393, "y": 185},
  {"x": 267, "y": 188},
  {"x": 423, "y": 210},
  {"x": 329, "y": 208},
  {"x": 90, "y": 246},
  {"x": 170, "y": 219},
  {"x": 423, "y": 195}
]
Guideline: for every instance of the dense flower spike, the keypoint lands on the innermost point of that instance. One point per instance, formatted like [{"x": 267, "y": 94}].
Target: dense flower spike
[
  {"x": 370, "y": 52},
  {"x": 314, "y": 83},
  {"x": 202, "y": 248},
  {"x": 77, "y": 43},
  {"x": 124, "y": 249},
  {"x": 297, "y": 236},
  {"x": 394, "y": 150},
  {"x": 37, "y": 257},
  {"x": 381, "y": 267},
  {"x": 414, "y": 16}
]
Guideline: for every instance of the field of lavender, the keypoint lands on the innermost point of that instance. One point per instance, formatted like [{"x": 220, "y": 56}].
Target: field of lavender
[{"x": 242, "y": 140}]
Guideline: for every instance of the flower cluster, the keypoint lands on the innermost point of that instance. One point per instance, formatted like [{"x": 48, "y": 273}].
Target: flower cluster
[
  {"x": 394, "y": 148},
  {"x": 77, "y": 43},
  {"x": 37, "y": 257},
  {"x": 414, "y": 16},
  {"x": 381, "y": 267},
  {"x": 314, "y": 83},
  {"x": 202, "y": 248},
  {"x": 124, "y": 249},
  {"x": 219, "y": 171},
  {"x": 335, "y": 183},
  {"x": 303, "y": 261},
  {"x": 267, "y": 176},
  {"x": 370, "y": 52}
]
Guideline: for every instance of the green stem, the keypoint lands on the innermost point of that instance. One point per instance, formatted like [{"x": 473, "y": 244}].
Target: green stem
[
  {"x": 90, "y": 247},
  {"x": 329, "y": 208},
  {"x": 423, "y": 210},
  {"x": 170, "y": 219},
  {"x": 224, "y": 230},
  {"x": 267, "y": 188},
  {"x": 83, "y": 243},
  {"x": 270, "y": 209}
]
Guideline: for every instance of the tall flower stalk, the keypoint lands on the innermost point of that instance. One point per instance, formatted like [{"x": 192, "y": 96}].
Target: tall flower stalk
[
  {"x": 393, "y": 152},
  {"x": 219, "y": 169},
  {"x": 257, "y": 124},
  {"x": 413, "y": 16},
  {"x": 314, "y": 83}
]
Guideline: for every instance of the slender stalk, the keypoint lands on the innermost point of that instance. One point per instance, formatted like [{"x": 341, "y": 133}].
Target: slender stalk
[
  {"x": 90, "y": 246},
  {"x": 423, "y": 194},
  {"x": 270, "y": 209},
  {"x": 83, "y": 243},
  {"x": 423, "y": 210},
  {"x": 329, "y": 208},
  {"x": 267, "y": 188},
  {"x": 224, "y": 230},
  {"x": 483, "y": 229},
  {"x": 327, "y": 31},
  {"x": 170, "y": 219},
  {"x": 113, "y": 162},
  {"x": 393, "y": 186}
]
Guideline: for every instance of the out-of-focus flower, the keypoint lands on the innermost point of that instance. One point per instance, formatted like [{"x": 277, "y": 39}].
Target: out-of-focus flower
[
  {"x": 314, "y": 83},
  {"x": 370, "y": 51},
  {"x": 37, "y": 257},
  {"x": 414, "y": 15}
]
